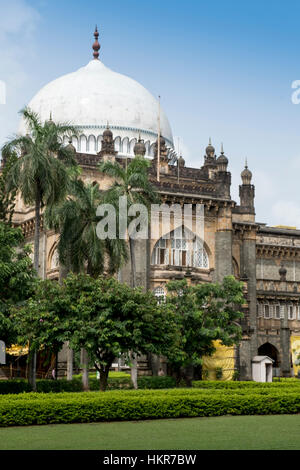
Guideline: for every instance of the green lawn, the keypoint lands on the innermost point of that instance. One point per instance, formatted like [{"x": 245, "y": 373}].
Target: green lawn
[{"x": 241, "y": 432}]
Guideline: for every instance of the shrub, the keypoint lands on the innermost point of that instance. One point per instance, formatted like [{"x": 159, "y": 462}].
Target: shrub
[
  {"x": 235, "y": 385},
  {"x": 63, "y": 385},
  {"x": 31, "y": 409},
  {"x": 219, "y": 373},
  {"x": 14, "y": 386}
]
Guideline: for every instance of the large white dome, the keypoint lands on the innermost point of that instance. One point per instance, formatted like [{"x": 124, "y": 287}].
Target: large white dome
[{"x": 93, "y": 96}]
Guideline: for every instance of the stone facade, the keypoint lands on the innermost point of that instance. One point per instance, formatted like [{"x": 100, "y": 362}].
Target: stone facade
[{"x": 266, "y": 259}]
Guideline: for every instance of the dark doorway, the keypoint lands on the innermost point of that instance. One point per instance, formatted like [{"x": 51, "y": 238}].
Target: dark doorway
[{"x": 269, "y": 350}]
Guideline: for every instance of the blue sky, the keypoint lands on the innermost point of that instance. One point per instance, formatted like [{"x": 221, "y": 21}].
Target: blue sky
[{"x": 224, "y": 70}]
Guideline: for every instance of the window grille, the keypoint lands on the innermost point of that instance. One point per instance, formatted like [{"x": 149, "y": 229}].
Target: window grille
[
  {"x": 267, "y": 311},
  {"x": 179, "y": 251},
  {"x": 160, "y": 294}
]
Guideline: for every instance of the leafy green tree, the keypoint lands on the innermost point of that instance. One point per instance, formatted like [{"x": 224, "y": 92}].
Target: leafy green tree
[
  {"x": 7, "y": 198},
  {"x": 75, "y": 220},
  {"x": 79, "y": 248},
  {"x": 43, "y": 319},
  {"x": 40, "y": 174},
  {"x": 109, "y": 319},
  {"x": 131, "y": 182},
  {"x": 17, "y": 278},
  {"x": 204, "y": 313}
]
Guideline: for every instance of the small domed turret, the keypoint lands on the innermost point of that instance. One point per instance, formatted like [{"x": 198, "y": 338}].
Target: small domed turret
[
  {"x": 210, "y": 150},
  {"x": 71, "y": 147},
  {"x": 107, "y": 134},
  {"x": 246, "y": 175},
  {"x": 140, "y": 148},
  {"x": 222, "y": 161},
  {"x": 181, "y": 162}
]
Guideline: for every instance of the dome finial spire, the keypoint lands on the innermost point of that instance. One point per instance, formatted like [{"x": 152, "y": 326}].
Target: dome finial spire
[{"x": 96, "y": 45}]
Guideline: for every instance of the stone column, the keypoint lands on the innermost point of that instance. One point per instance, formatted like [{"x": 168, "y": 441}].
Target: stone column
[
  {"x": 244, "y": 356},
  {"x": 223, "y": 245},
  {"x": 248, "y": 270},
  {"x": 285, "y": 345}
]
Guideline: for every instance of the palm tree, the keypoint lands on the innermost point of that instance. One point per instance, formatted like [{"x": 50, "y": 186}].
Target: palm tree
[
  {"x": 79, "y": 247},
  {"x": 40, "y": 174},
  {"x": 133, "y": 183}
]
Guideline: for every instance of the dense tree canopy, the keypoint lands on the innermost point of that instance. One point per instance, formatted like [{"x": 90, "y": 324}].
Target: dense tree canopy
[
  {"x": 204, "y": 313},
  {"x": 7, "y": 197},
  {"x": 110, "y": 318},
  {"x": 17, "y": 277},
  {"x": 103, "y": 316}
]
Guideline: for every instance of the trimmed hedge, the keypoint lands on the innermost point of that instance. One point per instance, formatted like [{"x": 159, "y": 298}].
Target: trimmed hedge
[
  {"x": 63, "y": 385},
  {"x": 37, "y": 409},
  {"x": 217, "y": 385}
]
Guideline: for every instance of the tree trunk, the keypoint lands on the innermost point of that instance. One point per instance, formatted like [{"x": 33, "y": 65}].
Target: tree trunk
[
  {"x": 103, "y": 378},
  {"x": 32, "y": 364},
  {"x": 85, "y": 370},
  {"x": 32, "y": 369},
  {"x": 133, "y": 370},
  {"x": 70, "y": 358}
]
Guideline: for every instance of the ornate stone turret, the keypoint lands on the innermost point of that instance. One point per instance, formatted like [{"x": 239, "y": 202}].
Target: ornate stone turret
[
  {"x": 140, "y": 148},
  {"x": 246, "y": 175},
  {"x": 210, "y": 158},
  {"x": 247, "y": 191},
  {"x": 108, "y": 146},
  {"x": 222, "y": 161}
]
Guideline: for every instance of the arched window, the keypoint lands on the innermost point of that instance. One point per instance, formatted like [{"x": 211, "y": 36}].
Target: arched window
[
  {"x": 160, "y": 294},
  {"x": 125, "y": 146},
  {"x": 151, "y": 152},
  {"x": 99, "y": 143},
  {"x": 132, "y": 144},
  {"x": 147, "y": 145},
  {"x": 179, "y": 250},
  {"x": 75, "y": 142},
  {"x": 92, "y": 144},
  {"x": 118, "y": 144},
  {"x": 83, "y": 143}
]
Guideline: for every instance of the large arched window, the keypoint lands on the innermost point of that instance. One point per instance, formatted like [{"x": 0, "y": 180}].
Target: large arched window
[{"x": 179, "y": 250}]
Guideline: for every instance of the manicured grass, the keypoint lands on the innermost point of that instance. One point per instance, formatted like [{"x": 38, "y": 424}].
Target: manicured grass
[
  {"x": 228, "y": 432},
  {"x": 112, "y": 375}
]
